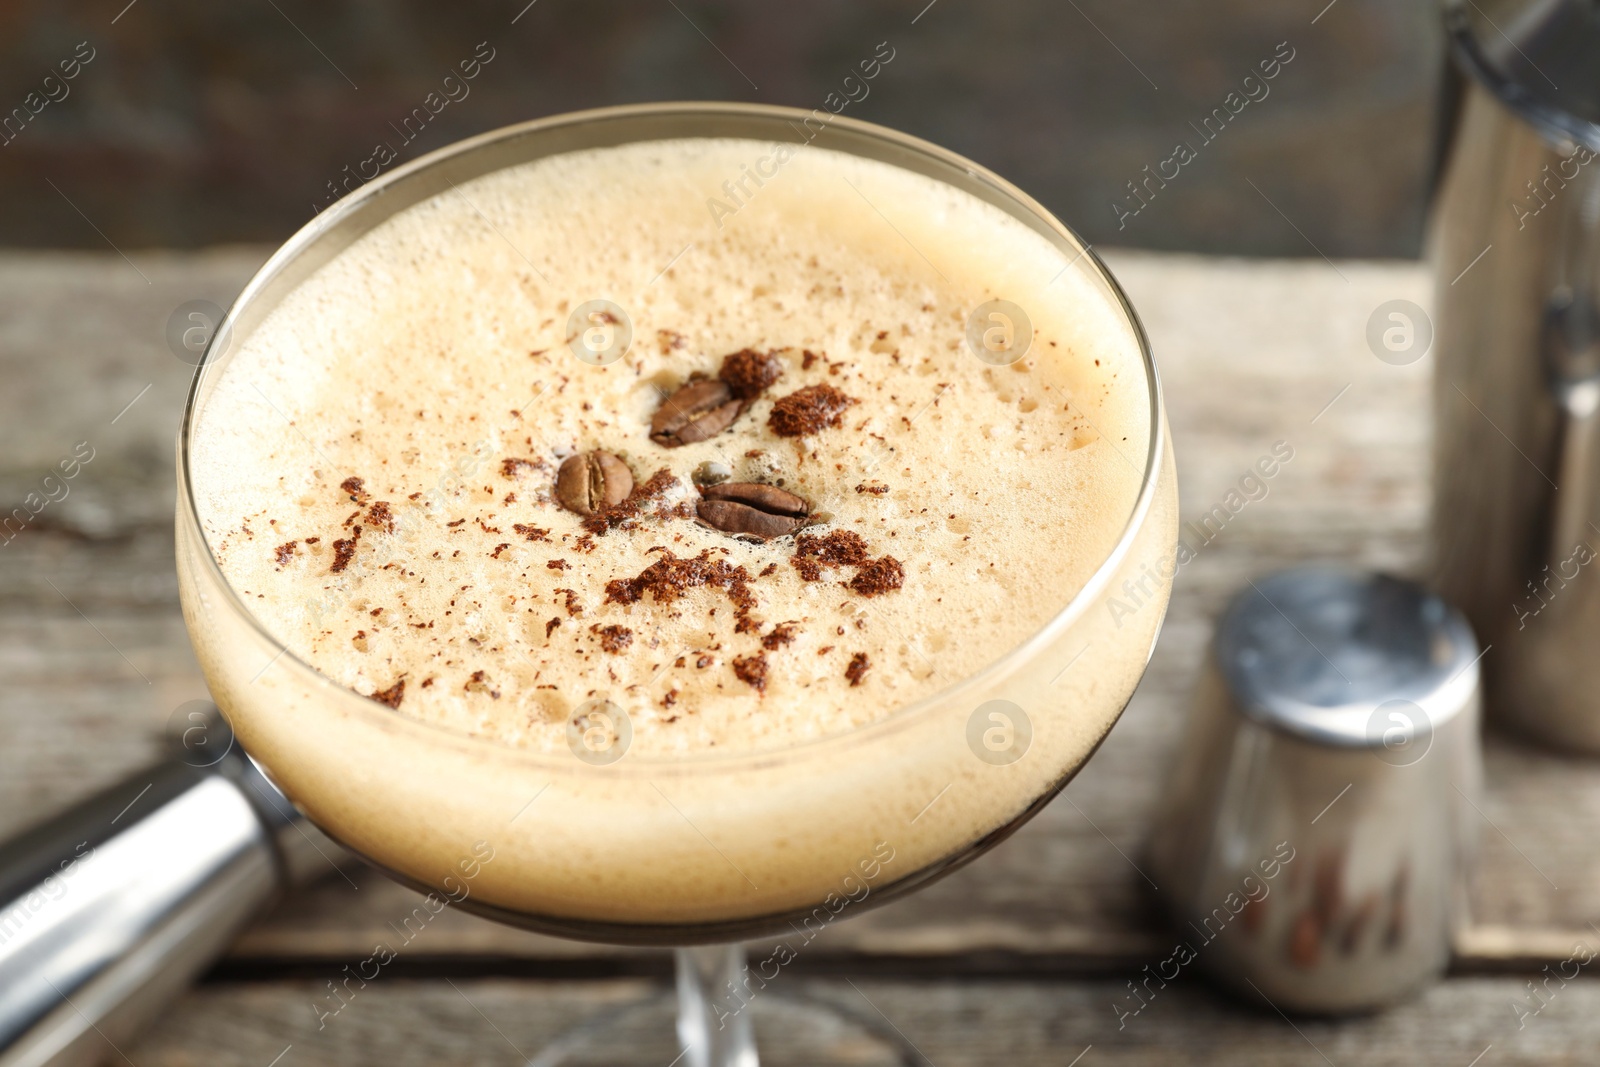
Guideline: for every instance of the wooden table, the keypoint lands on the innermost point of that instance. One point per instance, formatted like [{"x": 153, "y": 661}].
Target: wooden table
[{"x": 1015, "y": 959}]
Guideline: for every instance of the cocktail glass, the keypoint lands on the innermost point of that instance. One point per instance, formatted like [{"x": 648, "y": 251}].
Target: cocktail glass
[{"x": 698, "y": 851}]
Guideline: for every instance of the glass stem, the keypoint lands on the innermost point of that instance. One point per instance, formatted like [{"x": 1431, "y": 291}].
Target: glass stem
[{"x": 712, "y": 995}]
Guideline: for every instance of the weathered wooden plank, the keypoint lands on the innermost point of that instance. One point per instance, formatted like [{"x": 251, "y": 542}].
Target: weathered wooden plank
[
  {"x": 1252, "y": 353},
  {"x": 396, "y": 1023}
]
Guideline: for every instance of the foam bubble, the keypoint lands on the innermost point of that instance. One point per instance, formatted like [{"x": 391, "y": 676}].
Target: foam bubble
[{"x": 432, "y": 361}]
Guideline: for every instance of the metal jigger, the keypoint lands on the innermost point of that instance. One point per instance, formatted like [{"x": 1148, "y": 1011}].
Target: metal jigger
[{"x": 1314, "y": 842}]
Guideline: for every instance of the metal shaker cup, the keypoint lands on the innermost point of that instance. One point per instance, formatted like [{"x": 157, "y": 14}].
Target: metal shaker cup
[
  {"x": 1515, "y": 243},
  {"x": 1313, "y": 845}
]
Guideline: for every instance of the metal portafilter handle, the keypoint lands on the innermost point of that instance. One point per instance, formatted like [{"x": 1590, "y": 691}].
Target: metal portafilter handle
[{"x": 110, "y": 909}]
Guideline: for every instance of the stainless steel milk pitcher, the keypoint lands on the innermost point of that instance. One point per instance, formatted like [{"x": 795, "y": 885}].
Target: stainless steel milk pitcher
[{"x": 1515, "y": 243}]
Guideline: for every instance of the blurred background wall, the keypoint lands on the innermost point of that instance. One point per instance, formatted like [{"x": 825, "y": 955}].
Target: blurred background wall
[{"x": 199, "y": 123}]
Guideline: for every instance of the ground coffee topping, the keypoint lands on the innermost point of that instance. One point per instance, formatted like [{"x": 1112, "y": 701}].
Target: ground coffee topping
[
  {"x": 628, "y": 510},
  {"x": 846, "y": 548},
  {"x": 512, "y": 468},
  {"x": 344, "y": 550},
  {"x": 782, "y": 634},
  {"x": 613, "y": 639},
  {"x": 790, "y": 394},
  {"x": 808, "y": 411},
  {"x": 879, "y": 577},
  {"x": 752, "y": 671},
  {"x": 841, "y": 548},
  {"x": 381, "y": 517},
  {"x": 748, "y": 373},
  {"x": 669, "y": 577},
  {"x": 392, "y": 695}
]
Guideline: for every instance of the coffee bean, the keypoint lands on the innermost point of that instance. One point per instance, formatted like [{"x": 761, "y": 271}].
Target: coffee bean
[
  {"x": 768, "y": 498},
  {"x": 752, "y": 509},
  {"x": 741, "y": 519},
  {"x": 590, "y": 482},
  {"x": 697, "y": 411}
]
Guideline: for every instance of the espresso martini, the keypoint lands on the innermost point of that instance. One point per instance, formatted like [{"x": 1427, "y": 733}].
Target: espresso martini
[{"x": 584, "y": 449}]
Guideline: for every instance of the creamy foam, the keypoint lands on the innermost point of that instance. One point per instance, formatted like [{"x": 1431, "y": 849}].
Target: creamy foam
[{"x": 431, "y": 361}]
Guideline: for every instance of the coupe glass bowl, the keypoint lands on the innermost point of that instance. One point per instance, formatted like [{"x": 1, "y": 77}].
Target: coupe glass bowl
[{"x": 701, "y": 849}]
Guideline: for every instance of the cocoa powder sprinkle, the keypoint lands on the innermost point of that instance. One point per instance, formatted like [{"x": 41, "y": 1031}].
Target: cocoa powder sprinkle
[
  {"x": 479, "y": 683},
  {"x": 840, "y": 548},
  {"x": 880, "y": 576},
  {"x": 381, "y": 517},
  {"x": 624, "y": 514},
  {"x": 512, "y": 468},
  {"x": 344, "y": 551},
  {"x": 613, "y": 639},
  {"x": 748, "y": 373},
  {"x": 782, "y": 634},
  {"x": 808, "y": 411},
  {"x": 752, "y": 671},
  {"x": 669, "y": 577},
  {"x": 392, "y": 695}
]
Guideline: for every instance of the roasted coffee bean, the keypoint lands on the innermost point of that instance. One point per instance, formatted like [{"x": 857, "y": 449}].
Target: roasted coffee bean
[
  {"x": 590, "y": 482},
  {"x": 744, "y": 520},
  {"x": 700, "y": 409},
  {"x": 752, "y": 509},
  {"x": 768, "y": 498}
]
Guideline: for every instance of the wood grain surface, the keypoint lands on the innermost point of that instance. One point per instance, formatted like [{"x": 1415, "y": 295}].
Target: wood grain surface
[
  {"x": 953, "y": 1024},
  {"x": 1252, "y": 353}
]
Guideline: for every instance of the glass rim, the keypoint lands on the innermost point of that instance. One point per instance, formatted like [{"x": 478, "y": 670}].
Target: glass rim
[{"x": 942, "y": 162}]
